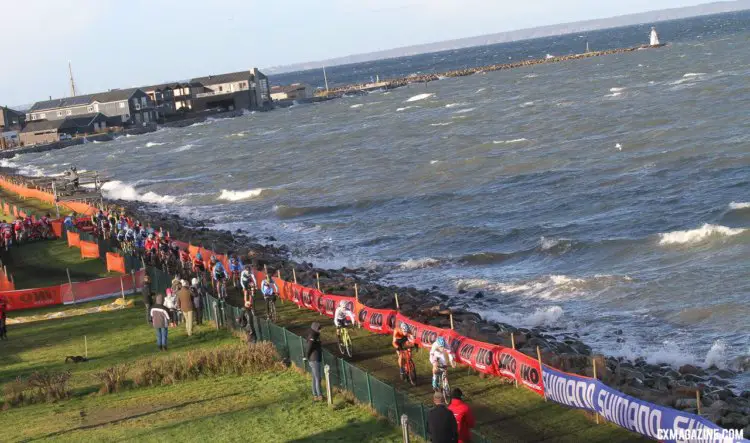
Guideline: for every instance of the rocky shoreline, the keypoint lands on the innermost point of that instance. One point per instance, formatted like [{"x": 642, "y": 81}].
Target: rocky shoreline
[{"x": 721, "y": 401}]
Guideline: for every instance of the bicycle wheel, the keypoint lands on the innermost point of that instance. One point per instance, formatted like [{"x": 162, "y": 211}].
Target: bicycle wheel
[
  {"x": 342, "y": 347},
  {"x": 412, "y": 370},
  {"x": 446, "y": 388},
  {"x": 274, "y": 317},
  {"x": 348, "y": 344}
]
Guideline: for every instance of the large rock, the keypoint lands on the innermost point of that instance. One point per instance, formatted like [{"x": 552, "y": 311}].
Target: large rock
[
  {"x": 690, "y": 369},
  {"x": 686, "y": 403}
]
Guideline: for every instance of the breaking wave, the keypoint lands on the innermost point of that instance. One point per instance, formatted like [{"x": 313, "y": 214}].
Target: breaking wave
[
  {"x": 419, "y": 97},
  {"x": 735, "y": 206},
  {"x": 698, "y": 235},
  {"x": 420, "y": 263},
  {"x": 441, "y": 124},
  {"x": 464, "y": 111},
  {"x": 551, "y": 287},
  {"x": 183, "y": 148},
  {"x": 118, "y": 190},
  {"x": 152, "y": 144},
  {"x": 502, "y": 142},
  {"x": 240, "y": 195},
  {"x": 549, "y": 316},
  {"x": 454, "y": 105}
]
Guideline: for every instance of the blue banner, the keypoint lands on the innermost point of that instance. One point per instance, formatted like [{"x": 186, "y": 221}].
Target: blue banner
[{"x": 653, "y": 421}]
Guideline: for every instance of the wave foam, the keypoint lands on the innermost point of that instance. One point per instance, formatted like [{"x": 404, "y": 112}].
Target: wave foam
[
  {"x": 503, "y": 142},
  {"x": 739, "y": 205},
  {"x": 551, "y": 287},
  {"x": 698, "y": 235},
  {"x": 616, "y": 89},
  {"x": 549, "y": 316},
  {"x": 693, "y": 74},
  {"x": 358, "y": 105},
  {"x": 464, "y": 111},
  {"x": 240, "y": 195},
  {"x": 527, "y": 104},
  {"x": 405, "y": 108},
  {"x": 419, "y": 97},
  {"x": 183, "y": 148},
  {"x": 441, "y": 124},
  {"x": 455, "y": 105},
  {"x": 614, "y": 94},
  {"x": 152, "y": 144},
  {"x": 420, "y": 263},
  {"x": 118, "y": 190}
]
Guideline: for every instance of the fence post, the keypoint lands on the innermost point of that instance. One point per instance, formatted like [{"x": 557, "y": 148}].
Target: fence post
[
  {"x": 302, "y": 344},
  {"x": 86, "y": 346},
  {"x": 327, "y": 371},
  {"x": 72, "y": 291},
  {"x": 421, "y": 418},
  {"x": 216, "y": 313},
  {"x": 122, "y": 288},
  {"x": 405, "y": 427},
  {"x": 395, "y": 401},
  {"x": 369, "y": 388},
  {"x": 343, "y": 374},
  {"x": 135, "y": 284},
  {"x": 541, "y": 366}
]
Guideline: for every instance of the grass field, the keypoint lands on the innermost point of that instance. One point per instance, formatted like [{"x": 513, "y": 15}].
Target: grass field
[
  {"x": 36, "y": 207},
  {"x": 273, "y": 406},
  {"x": 43, "y": 263}
]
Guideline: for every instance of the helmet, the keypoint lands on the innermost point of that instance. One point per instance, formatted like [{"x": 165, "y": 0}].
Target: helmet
[
  {"x": 404, "y": 327},
  {"x": 342, "y": 303},
  {"x": 194, "y": 281},
  {"x": 441, "y": 342},
  {"x": 213, "y": 259},
  {"x": 151, "y": 236},
  {"x": 199, "y": 256}
]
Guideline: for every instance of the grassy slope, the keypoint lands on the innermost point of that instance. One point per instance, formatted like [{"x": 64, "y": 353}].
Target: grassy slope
[
  {"x": 36, "y": 207},
  {"x": 43, "y": 263},
  {"x": 260, "y": 408}
]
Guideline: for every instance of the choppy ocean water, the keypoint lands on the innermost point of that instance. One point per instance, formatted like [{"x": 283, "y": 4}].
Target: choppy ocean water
[{"x": 598, "y": 195}]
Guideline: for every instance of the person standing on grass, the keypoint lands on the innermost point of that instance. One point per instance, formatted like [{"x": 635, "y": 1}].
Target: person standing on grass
[
  {"x": 147, "y": 301},
  {"x": 185, "y": 303},
  {"x": 160, "y": 320},
  {"x": 195, "y": 292},
  {"x": 464, "y": 417},
  {"x": 246, "y": 322},
  {"x": 314, "y": 355},
  {"x": 441, "y": 423},
  {"x": 170, "y": 303}
]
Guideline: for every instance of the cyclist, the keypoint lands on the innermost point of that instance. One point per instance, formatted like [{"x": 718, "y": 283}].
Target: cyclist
[
  {"x": 219, "y": 275},
  {"x": 401, "y": 338},
  {"x": 269, "y": 290},
  {"x": 185, "y": 258},
  {"x": 343, "y": 317},
  {"x": 198, "y": 265},
  {"x": 248, "y": 282},
  {"x": 235, "y": 268},
  {"x": 438, "y": 360},
  {"x": 150, "y": 245}
]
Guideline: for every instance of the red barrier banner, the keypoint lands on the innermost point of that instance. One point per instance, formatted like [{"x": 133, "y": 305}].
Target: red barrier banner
[
  {"x": 32, "y": 298},
  {"x": 101, "y": 288},
  {"x": 15, "y": 211},
  {"x": 89, "y": 249},
  {"x": 379, "y": 321},
  {"x": 478, "y": 355},
  {"x": 115, "y": 262},
  {"x": 516, "y": 365},
  {"x": 57, "y": 226},
  {"x": 193, "y": 250},
  {"x": 5, "y": 284},
  {"x": 310, "y": 298},
  {"x": 327, "y": 304},
  {"x": 74, "y": 240}
]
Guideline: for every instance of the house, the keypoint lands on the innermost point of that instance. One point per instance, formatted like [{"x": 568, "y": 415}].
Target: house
[
  {"x": 295, "y": 91},
  {"x": 9, "y": 139},
  {"x": 122, "y": 107},
  {"x": 235, "y": 90},
  {"x": 50, "y": 131},
  {"x": 10, "y": 119}
]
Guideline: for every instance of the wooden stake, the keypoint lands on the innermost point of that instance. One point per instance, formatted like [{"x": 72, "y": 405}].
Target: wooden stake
[
  {"x": 451, "y": 315},
  {"x": 541, "y": 367},
  {"x": 356, "y": 292},
  {"x": 513, "y": 340},
  {"x": 122, "y": 288},
  {"x": 278, "y": 273},
  {"x": 265, "y": 270},
  {"x": 317, "y": 277},
  {"x": 596, "y": 414},
  {"x": 294, "y": 275},
  {"x": 397, "y": 308},
  {"x": 86, "y": 346},
  {"x": 698, "y": 400},
  {"x": 71, "y": 286}
]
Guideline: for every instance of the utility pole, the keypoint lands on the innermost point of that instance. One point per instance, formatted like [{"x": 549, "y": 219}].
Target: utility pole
[{"x": 72, "y": 82}]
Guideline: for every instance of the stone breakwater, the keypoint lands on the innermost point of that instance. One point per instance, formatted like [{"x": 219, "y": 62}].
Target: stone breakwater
[
  {"x": 662, "y": 384},
  {"x": 424, "y": 78}
]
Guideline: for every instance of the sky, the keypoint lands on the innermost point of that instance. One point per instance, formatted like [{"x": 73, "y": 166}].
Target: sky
[{"x": 118, "y": 44}]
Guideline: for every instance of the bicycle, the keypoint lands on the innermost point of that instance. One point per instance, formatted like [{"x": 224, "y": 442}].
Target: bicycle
[
  {"x": 271, "y": 308},
  {"x": 408, "y": 369},
  {"x": 345, "y": 341},
  {"x": 221, "y": 289},
  {"x": 443, "y": 383}
]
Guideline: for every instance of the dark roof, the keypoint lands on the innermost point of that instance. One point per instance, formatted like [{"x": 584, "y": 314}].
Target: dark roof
[
  {"x": 224, "y": 78},
  {"x": 43, "y": 125},
  {"x": 80, "y": 100}
]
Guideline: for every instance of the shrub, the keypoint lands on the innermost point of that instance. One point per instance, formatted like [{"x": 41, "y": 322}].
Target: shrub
[
  {"x": 49, "y": 386},
  {"x": 112, "y": 378},
  {"x": 15, "y": 393}
]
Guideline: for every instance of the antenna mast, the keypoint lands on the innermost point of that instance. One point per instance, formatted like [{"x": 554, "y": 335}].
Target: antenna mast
[{"x": 72, "y": 82}]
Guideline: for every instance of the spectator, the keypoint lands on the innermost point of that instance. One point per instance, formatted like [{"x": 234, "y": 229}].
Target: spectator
[
  {"x": 176, "y": 284},
  {"x": 441, "y": 423},
  {"x": 160, "y": 320},
  {"x": 3, "y": 318},
  {"x": 314, "y": 355},
  {"x": 185, "y": 303},
  {"x": 147, "y": 301},
  {"x": 246, "y": 322},
  {"x": 464, "y": 417},
  {"x": 170, "y": 303},
  {"x": 195, "y": 291}
]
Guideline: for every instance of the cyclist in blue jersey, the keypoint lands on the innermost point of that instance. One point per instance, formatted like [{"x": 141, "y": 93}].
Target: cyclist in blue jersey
[
  {"x": 235, "y": 268},
  {"x": 219, "y": 275},
  {"x": 269, "y": 290}
]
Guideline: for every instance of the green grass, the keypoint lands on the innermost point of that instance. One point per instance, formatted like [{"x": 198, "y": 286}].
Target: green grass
[
  {"x": 43, "y": 263},
  {"x": 34, "y": 206}
]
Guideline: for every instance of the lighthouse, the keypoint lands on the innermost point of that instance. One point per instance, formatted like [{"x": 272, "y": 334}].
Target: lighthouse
[{"x": 654, "y": 40}]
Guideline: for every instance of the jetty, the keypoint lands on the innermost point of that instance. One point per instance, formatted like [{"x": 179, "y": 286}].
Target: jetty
[{"x": 363, "y": 88}]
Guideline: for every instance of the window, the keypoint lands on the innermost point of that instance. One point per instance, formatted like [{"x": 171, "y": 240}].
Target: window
[
  {"x": 59, "y": 113},
  {"x": 143, "y": 102},
  {"x": 42, "y": 116},
  {"x": 90, "y": 109},
  {"x": 221, "y": 88},
  {"x": 69, "y": 112},
  {"x": 243, "y": 85},
  {"x": 122, "y": 105}
]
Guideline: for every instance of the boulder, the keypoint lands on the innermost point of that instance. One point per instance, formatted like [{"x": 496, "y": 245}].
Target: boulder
[
  {"x": 685, "y": 403},
  {"x": 690, "y": 369},
  {"x": 734, "y": 420}
]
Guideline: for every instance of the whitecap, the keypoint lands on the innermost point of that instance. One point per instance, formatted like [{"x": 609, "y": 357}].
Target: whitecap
[
  {"x": 503, "y": 142},
  {"x": 405, "y": 108},
  {"x": 118, "y": 190},
  {"x": 441, "y": 124},
  {"x": 614, "y": 94},
  {"x": 358, "y": 105},
  {"x": 464, "y": 111},
  {"x": 739, "y": 205},
  {"x": 480, "y": 90},
  {"x": 526, "y": 104},
  {"x": 183, "y": 148},
  {"x": 692, "y": 236},
  {"x": 434, "y": 162},
  {"x": 693, "y": 74},
  {"x": 548, "y": 316},
  {"x": 152, "y": 144},
  {"x": 616, "y": 89},
  {"x": 240, "y": 195},
  {"x": 454, "y": 105},
  {"x": 419, "y": 97},
  {"x": 419, "y": 263}
]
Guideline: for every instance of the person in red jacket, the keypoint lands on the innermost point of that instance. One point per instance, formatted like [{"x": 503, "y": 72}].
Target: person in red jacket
[{"x": 464, "y": 417}]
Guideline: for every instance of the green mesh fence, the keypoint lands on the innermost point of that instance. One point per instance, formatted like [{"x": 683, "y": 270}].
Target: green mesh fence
[
  {"x": 296, "y": 346},
  {"x": 384, "y": 399},
  {"x": 277, "y": 336}
]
